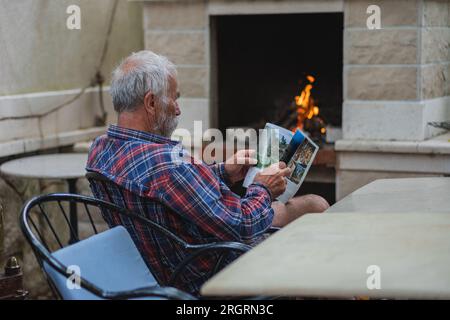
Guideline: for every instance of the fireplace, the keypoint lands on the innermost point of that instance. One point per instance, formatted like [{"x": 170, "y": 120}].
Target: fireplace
[
  {"x": 263, "y": 62},
  {"x": 285, "y": 69},
  {"x": 383, "y": 87}
]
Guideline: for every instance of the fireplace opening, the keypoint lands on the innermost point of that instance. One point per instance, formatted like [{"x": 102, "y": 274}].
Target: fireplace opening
[
  {"x": 263, "y": 62},
  {"x": 285, "y": 69}
]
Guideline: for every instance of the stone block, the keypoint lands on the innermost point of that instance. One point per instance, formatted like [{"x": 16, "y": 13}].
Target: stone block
[
  {"x": 381, "y": 83},
  {"x": 447, "y": 82},
  {"x": 435, "y": 45},
  {"x": 14, "y": 129},
  {"x": 436, "y": 110},
  {"x": 193, "y": 82},
  {"x": 393, "y": 13},
  {"x": 193, "y": 110},
  {"x": 434, "y": 81},
  {"x": 436, "y": 13},
  {"x": 348, "y": 181},
  {"x": 419, "y": 163},
  {"x": 175, "y": 15},
  {"x": 396, "y": 46},
  {"x": 179, "y": 47},
  {"x": 383, "y": 120}
]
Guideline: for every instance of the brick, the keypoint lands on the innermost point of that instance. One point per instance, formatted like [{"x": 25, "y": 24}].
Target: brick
[
  {"x": 393, "y": 13},
  {"x": 175, "y": 15},
  {"x": 381, "y": 83},
  {"x": 436, "y": 13},
  {"x": 192, "y": 82},
  {"x": 435, "y": 45},
  {"x": 434, "y": 81},
  {"x": 179, "y": 47},
  {"x": 381, "y": 46}
]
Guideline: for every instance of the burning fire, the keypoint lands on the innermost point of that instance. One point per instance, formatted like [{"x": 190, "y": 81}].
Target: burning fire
[{"x": 307, "y": 108}]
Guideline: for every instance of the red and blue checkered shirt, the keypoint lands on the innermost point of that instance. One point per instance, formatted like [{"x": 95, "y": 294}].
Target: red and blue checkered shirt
[{"x": 190, "y": 198}]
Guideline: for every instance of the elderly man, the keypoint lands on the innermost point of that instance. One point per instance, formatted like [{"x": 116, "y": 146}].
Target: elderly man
[{"x": 191, "y": 199}]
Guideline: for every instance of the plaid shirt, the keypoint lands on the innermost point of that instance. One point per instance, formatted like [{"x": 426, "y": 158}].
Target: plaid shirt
[{"x": 191, "y": 199}]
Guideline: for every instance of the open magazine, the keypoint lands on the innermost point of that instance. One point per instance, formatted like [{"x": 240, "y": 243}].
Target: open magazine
[{"x": 295, "y": 149}]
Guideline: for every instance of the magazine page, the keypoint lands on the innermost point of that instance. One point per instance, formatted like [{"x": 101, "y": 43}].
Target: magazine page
[
  {"x": 274, "y": 139},
  {"x": 296, "y": 150},
  {"x": 299, "y": 157}
]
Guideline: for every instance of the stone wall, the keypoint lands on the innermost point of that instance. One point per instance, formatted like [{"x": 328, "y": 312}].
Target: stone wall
[
  {"x": 44, "y": 65},
  {"x": 180, "y": 31},
  {"x": 396, "y": 79}
]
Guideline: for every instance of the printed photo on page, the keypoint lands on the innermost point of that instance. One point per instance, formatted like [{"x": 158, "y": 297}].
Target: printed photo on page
[{"x": 277, "y": 144}]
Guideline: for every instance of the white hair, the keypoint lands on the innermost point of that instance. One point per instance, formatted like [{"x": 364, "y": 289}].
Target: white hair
[{"x": 138, "y": 74}]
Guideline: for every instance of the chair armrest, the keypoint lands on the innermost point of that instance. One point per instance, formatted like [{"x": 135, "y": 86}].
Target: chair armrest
[
  {"x": 202, "y": 249},
  {"x": 153, "y": 291}
]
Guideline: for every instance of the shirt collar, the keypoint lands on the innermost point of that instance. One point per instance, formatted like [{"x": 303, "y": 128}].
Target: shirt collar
[{"x": 132, "y": 134}]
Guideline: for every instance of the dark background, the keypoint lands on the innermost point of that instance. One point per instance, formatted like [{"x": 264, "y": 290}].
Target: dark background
[{"x": 262, "y": 61}]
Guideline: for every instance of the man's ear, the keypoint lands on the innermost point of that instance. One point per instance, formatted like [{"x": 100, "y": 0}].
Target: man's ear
[{"x": 149, "y": 102}]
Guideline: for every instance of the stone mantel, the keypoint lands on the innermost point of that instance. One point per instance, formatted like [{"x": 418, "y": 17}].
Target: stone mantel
[{"x": 435, "y": 145}]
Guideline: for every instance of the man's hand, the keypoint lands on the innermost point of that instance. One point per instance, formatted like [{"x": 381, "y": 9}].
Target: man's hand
[
  {"x": 273, "y": 178},
  {"x": 237, "y": 166}
]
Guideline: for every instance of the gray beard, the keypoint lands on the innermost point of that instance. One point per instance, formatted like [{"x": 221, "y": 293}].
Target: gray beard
[{"x": 166, "y": 125}]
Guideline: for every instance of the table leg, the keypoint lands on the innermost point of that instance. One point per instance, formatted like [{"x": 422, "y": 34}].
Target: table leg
[{"x": 72, "y": 183}]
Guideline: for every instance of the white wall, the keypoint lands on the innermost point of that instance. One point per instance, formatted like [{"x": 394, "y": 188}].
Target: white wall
[{"x": 42, "y": 64}]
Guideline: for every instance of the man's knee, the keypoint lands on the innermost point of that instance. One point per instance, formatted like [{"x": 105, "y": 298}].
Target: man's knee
[{"x": 315, "y": 203}]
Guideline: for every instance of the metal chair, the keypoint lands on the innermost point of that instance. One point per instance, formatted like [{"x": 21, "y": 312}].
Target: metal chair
[
  {"x": 46, "y": 226},
  {"x": 110, "y": 189}
]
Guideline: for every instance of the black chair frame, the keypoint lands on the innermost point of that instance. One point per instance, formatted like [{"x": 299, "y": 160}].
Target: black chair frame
[
  {"x": 95, "y": 177},
  {"x": 42, "y": 251}
]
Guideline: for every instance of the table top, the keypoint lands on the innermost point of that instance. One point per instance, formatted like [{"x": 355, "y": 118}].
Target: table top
[
  {"x": 328, "y": 255},
  {"x": 399, "y": 195},
  {"x": 49, "y": 166}
]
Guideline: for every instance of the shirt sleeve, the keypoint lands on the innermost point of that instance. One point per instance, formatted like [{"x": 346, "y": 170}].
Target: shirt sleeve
[
  {"x": 219, "y": 170},
  {"x": 195, "y": 193}
]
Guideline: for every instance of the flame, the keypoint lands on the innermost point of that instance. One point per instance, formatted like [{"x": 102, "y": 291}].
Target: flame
[
  {"x": 307, "y": 112},
  {"x": 310, "y": 78},
  {"x": 306, "y": 108},
  {"x": 316, "y": 110}
]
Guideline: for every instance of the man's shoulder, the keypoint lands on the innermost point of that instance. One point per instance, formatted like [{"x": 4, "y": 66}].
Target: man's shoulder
[{"x": 111, "y": 150}]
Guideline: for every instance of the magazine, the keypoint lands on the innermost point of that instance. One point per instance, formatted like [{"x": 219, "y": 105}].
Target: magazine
[{"x": 277, "y": 144}]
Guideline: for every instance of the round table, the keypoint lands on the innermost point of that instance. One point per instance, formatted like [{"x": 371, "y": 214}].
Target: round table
[{"x": 66, "y": 166}]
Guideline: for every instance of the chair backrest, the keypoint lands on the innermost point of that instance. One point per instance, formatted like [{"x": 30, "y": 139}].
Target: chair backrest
[
  {"x": 111, "y": 189},
  {"x": 108, "y": 260}
]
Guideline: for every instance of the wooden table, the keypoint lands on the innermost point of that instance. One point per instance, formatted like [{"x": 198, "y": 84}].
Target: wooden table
[
  {"x": 398, "y": 195},
  {"x": 66, "y": 166},
  {"x": 328, "y": 255}
]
